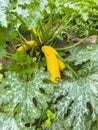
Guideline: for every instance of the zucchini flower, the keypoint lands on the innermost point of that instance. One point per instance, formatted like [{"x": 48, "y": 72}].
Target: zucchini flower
[
  {"x": 54, "y": 64},
  {"x": 26, "y": 48}
]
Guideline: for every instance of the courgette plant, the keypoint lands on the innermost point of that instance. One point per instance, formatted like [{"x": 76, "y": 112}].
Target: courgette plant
[{"x": 30, "y": 32}]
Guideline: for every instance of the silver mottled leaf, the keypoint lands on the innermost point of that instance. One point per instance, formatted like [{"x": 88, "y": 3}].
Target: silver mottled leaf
[
  {"x": 3, "y": 6},
  {"x": 87, "y": 53},
  {"x": 25, "y": 100},
  {"x": 77, "y": 101}
]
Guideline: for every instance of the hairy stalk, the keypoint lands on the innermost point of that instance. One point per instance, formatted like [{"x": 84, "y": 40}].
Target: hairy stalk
[
  {"x": 20, "y": 19},
  {"x": 74, "y": 73},
  {"x": 9, "y": 48},
  {"x": 49, "y": 25},
  {"x": 21, "y": 36},
  {"x": 70, "y": 47},
  {"x": 58, "y": 30},
  {"x": 20, "y": 41},
  {"x": 23, "y": 40},
  {"x": 35, "y": 37},
  {"x": 13, "y": 45}
]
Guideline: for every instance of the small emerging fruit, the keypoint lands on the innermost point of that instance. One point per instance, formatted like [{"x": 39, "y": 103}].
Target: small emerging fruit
[{"x": 34, "y": 59}]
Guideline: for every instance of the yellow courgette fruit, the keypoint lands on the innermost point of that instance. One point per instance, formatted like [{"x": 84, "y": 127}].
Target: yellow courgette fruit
[
  {"x": 54, "y": 64},
  {"x": 26, "y": 48},
  {"x": 61, "y": 64}
]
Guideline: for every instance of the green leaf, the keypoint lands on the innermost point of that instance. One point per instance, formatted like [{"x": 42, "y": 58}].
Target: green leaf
[
  {"x": 48, "y": 123},
  {"x": 7, "y": 123},
  {"x": 22, "y": 2},
  {"x": 50, "y": 114},
  {"x": 0, "y": 66},
  {"x": 77, "y": 106},
  {"x": 58, "y": 125},
  {"x": 6, "y": 35},
  {"x": 3, "y": 19},
  {"x": 24, "y": 61},
  {"x": 1, "y": 76},
  {"x": 25, "y": 101},
  {"x": 88, "y": 53},
  {"x": 84, "y": 60},
  {"x": 2, "y": 50},
  {"x": 93, "y": 32}
]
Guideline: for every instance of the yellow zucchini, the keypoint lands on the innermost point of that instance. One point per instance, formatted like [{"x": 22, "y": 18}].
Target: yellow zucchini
[{"x": 54, "y": 64}]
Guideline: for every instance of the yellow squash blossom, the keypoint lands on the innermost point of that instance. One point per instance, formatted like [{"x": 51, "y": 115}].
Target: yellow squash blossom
[
  {"x": 26, "y": 48},
  {"x": 54, "y": 64}
]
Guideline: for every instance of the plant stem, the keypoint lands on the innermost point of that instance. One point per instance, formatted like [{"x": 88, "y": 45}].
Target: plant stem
[
  {"x": 21, "y": 36},
  {"x": 74, "y": 73},
  {"x": 20, "y": 18},
  {"x": 97, "y": 121},
  {"x": 69, "y": 47},
  {"x": 58, "y": 31},
  {"x": 39, "y": 123},
  {"x": 23, "y": 40},
  {"x": 13, "y": 45},
  {"x": 9, "y": 48},
  {"x": 48, "y": 27}
]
